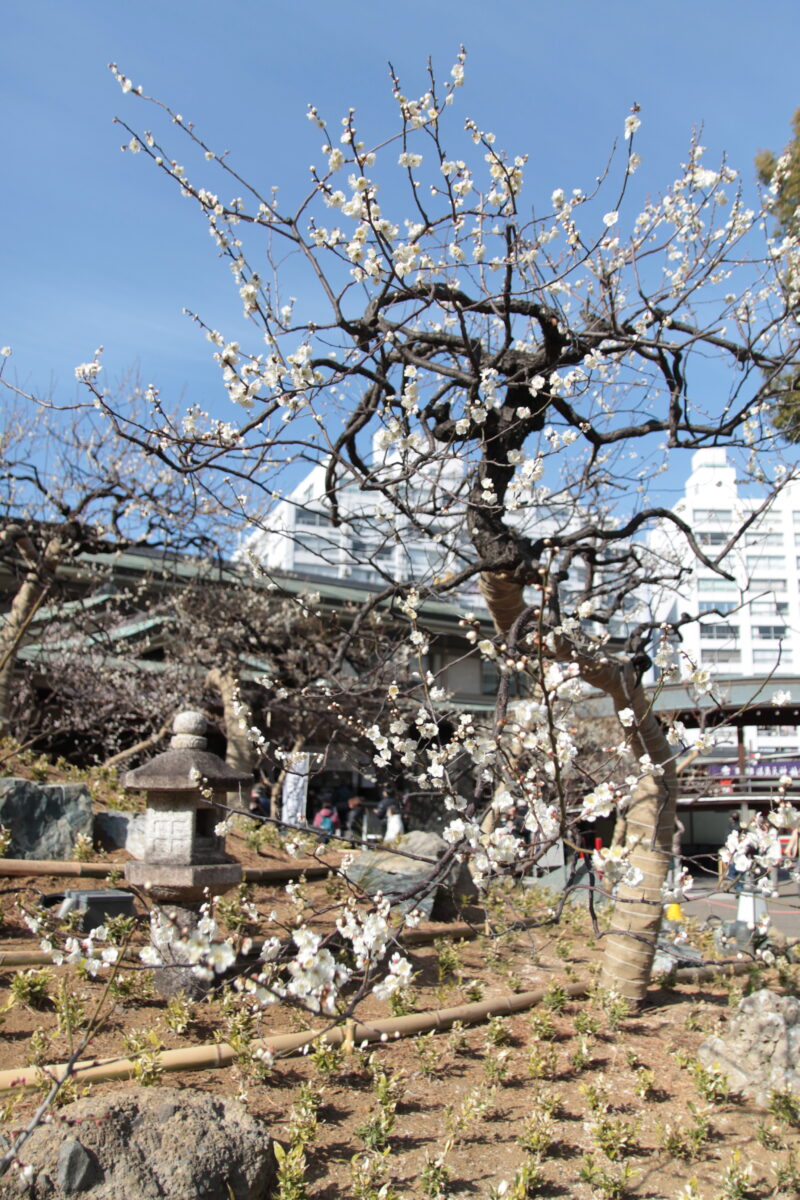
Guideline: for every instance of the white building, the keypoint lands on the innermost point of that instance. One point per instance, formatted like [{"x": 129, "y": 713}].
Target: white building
[
  {"x": 749, "y": 624},
  {"x": 374, "y": 543}
]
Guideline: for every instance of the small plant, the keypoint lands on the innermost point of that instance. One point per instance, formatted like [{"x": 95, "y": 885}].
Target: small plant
[
  {"x": 472, "y": 991},
  {"x": 542, "y": 1062},
  {"x": 144, "y": 1047},
  {"x": 563, "y": 949},
  {"x": 434, "y": 1178},
  {"x": 711, "y": 1082},
  {"x": 70, "y": 1011},
  {"x": 736, "y": 1179},
  {"x": 327, "y": 1057},
  {"x": 542, "y": 1026},
  {"x": 614, "y": 1007},
  {"x": 237, "y": 912},
  {"x": 581, "y": 1056},
  {"x": 787, "y": 1175},
  {"x": 83, "y": 848},
  {"x": 608, "y": 1183},
  {"x": 785, "y": 1107},
  {"x": 401, "y": 1002},
  {"x": 689, "y": 1191},
  {"x": 497, "y": 1032},
  {"x": 292, "y": 1165},
  {"x": 523, "y": 1186},
  {"x": 303, "y": 1115},
  {"x": 645, "y": 1083},
  {"x": 595, "y": 1096},
  {"x": 448, "y": 960},
  {"x": 769, "y": 1136},
  {"x": 368, "y": 1177},
  {"x": 260, "y": 836},
  {"x": 538, "y": 1133},
  {"x": 457, "y": 1039},
  {"x": 497, "y": 1066},
  {"x": 426, "y": 1052},
  {"x": 377, "y": 1129},
  {"x": 179, "y": 1013},
  {"x": 614, "y": 1136},
  {"x": 555, "y": 998},
  {"x": 686, "y": 1143},
  {"x": 39, "y": 1048},
  {"x": 473, "y": 1108},
  {"x": 119, "y": 929},
  {"x": 31, "y": 989}
]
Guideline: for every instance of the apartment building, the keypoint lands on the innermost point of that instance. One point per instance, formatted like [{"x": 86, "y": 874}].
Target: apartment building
[{"x": 749, "y": 624}]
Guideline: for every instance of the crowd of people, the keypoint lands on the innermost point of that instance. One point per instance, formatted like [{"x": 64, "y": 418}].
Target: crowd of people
[{"x": 338, "y": 812}]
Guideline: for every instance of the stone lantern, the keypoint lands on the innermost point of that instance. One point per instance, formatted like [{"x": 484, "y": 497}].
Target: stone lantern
[
  {"x": 183, "y": 855},
  {"x": 184, "y": 858}
]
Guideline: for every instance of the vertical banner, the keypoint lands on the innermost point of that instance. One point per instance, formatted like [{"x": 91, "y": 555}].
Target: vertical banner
[{"x": 295, "y": 790}]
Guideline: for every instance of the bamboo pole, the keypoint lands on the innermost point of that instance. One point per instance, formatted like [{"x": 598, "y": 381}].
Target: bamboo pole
[
  {"x": 220, "y": 1054},
  {"x": 312, "y": 869}
]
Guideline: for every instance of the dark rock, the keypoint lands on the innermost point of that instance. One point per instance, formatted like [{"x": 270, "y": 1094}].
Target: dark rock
[
  {"x": 46, "y": 819},
  {"x": 393, "y": 874},
  {"x": 152, "y": 1144},
  {"x": 76, "y": 1168},
  {"x": 120, "y": 831}
]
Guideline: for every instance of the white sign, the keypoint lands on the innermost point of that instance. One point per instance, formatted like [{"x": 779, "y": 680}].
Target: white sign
[{"x": 295, "y": 790}]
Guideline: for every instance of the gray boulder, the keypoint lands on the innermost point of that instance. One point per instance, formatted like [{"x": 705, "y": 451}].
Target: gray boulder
[
  {"x": 396, "y": 872},
  {"x": 45, "y": 819},
  {"x": 151, "y": 1144},
  {"x": 121, "y": 831},
  {"x": 760, "y": 1049}
]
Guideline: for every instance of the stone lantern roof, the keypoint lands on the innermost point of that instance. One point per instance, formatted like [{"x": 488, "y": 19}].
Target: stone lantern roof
[{"x": 187, "y": 765}]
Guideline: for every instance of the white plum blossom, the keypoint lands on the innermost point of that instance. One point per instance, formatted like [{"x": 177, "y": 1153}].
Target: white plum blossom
[
  {"x": 598, "y": 803},
  {"x": 398, "y": 976},
  {"x": 632, "y": 123}
]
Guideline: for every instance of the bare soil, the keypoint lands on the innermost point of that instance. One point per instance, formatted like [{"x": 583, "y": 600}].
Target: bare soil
[{"x": 622, "y": 1090}]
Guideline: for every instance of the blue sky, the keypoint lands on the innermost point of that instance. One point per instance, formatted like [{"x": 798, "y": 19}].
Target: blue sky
[{"x": 97, "y": 249}]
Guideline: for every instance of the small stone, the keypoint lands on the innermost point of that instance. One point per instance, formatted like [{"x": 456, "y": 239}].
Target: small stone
[{"x": 76, "y": 1170}]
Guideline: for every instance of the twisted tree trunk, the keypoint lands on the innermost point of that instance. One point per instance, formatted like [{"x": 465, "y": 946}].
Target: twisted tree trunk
[
  {"x": 650, "y": 816},
  {"x": 31, "y": 592}
]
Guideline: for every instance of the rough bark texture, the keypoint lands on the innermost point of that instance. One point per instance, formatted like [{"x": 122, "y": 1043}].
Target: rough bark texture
[
  {"x": 240, "y": 753},
  {"x": 650, "y": 816},
  {"x": 30, "y": 593}
]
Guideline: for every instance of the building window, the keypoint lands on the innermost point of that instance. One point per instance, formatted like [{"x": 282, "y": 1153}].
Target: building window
[
  {"x": 715, "y": 515},
  {"x": 307, "y": 516},
  {"x": 721, "y": 656},
  {"x": 766, "y": 562},
  {"x": 772, "y": 608},
  {"x": 773, "y": 656},
  {"x": 765, "y": 633},
  {"x": 722, "y": 606},
  {"x": 723, "y": 632},
  {"x": 767, "y": 585},
  {"x": 712, "y": 537},
  {"x": 715, "y": 585},
  {"x": 763, "y": 539}
]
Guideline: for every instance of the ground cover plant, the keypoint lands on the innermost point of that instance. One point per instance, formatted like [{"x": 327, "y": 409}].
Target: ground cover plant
[{"x": 575, "y": 1096}]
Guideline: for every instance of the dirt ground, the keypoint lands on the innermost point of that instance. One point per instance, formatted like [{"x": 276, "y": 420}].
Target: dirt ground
[{"x": 586, "y": 1099}]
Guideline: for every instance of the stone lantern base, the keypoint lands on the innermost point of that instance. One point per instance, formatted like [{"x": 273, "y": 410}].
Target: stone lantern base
[{"x": 183, "y": 884}]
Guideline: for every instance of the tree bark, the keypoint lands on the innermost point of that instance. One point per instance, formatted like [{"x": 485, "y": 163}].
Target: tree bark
[
  {"x": 650, "y": 816},
  {"x": 30, "y": 594},
  {"x": 240, "y": 752}
]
